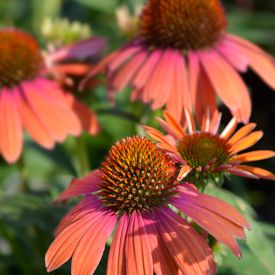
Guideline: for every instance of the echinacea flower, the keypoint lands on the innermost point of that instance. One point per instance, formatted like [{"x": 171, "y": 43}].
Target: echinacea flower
[
  {"x": 29, "y": 100},
  {"x": 202, "y": 153},
  {"x": 182, "y": 46},
  {"x": 134, "y": 190}
]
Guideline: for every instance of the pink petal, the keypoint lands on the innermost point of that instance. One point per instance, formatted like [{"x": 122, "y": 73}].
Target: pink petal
[
  {"x": 260, "y": 62},
  {"x": 180, "y": 95},
  {"x": 188, "y": 193},
  {"x": 158, "y": 87},
  {"x": 11, "y": 138},
  {"x": 64, "y": 245},
  {"x": 164, "y": 264},
  {"x": 53, "y": 113},
  {"x": 90, "y": 248},
  {"x": 86, "y": 116},
  {"x": 227, "y": 84},
  {"x": 117, "y": 260},
  {"x": 125, "y": 74},
  {"x": 146, "y": 70},
  {"x": 186, "y": 246},
  {"x": 239, "y": 61},
  {"x": 138, "y": 252},
  {"x": 87, "y": 205},
  {"x": 194, "y": 72},
  {"x": 123, "y": 56},
  {"x": 82, "y": 186},
  {"x": 32, "y": 123}
]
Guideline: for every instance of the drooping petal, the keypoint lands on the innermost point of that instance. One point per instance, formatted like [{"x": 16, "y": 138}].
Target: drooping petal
[
  {"x": 259, "y": 61},
  {"x": 191, "y": 194},
  {"x": 262, "y": 173},
  {"x": 89, "y": 204},
  {"x": 241, "y": 173},
  {"x": 180, "y": 94},
  {"x": 253, "y": 156},
  {"x": 32, "y": 124},
  {"x": 90, "y": 248},
  {"x": 232, "y": 55},
  {"x": 117, "y": 260},
  {"x": 138, "y": 253},
  {"x": 64, "y": 245},
  {"x": 126, "y": 73},
  {"x": 54, "y": 114},
  {"x": 228, "y": 84},
  {"x": 216, "y": 225},
  {"x": 146, "y": 70},
  {"x": 164, "y": 264},
  {"x": 186, "y": 246},
  {"x": 86, "y": 116},
  {"x": 11, "y": 137},
  {"x": 82, "y": 186},
  {"x": 158, "y": 86}
]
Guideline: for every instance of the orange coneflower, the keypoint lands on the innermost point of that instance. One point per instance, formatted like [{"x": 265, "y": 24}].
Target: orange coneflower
[
  {"x": 134, "y": 189},
  {"x": 182, "y": 46},
  {"x": 29, "y": 100},
  {"x": 203, "y": 153}
]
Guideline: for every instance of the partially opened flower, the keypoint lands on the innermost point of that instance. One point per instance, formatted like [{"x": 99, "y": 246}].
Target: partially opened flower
[
  {"x": 134, "y": 189},
  {"x": 27, "y": 99},
  {"x": 204, "y": 153},
  {"x": 182, "y": 46}
]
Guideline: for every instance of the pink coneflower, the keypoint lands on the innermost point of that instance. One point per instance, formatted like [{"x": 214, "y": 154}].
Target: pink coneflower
[
  {"x": 29, "y": 100},
  {"x": 183, "y": 46},
  {"x": 204, "y": 153},
  {"x": 134, "y": 190}
]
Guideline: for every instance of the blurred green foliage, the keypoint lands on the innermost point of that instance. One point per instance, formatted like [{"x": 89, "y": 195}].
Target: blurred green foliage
[{"x": 27, "y": 189}]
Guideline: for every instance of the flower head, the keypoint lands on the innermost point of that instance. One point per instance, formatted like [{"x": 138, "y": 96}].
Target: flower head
[
  {"x": 31, "y": 101},
  {"x": 204, "y": 153},
  {"x": 135, "y": 187},
  {"x": 181, "y": 47}
]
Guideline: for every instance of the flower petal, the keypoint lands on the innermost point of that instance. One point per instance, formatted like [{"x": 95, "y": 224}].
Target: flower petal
[
  {"x": 117, "y": 260},
  {"x": 164, "y": 263},
  {"x": 11, "y": 138},
  {"x": 241, "y": 133},
  {"x": 262, "y": 173},
  {"x": 246, "y": 142},
  {"x": 186, "y": 246},
  {"x": 138, "y": 253},
  {"x": 90, "y": 248},
  {"x": 254, "y": 156},
  {"x": 82, "y": 186}
]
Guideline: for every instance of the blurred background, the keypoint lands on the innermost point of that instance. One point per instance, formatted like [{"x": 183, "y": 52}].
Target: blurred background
[{"x": 28, "y": 188}]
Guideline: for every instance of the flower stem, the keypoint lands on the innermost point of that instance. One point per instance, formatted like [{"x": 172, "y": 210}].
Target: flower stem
[
  {"x": 24, "y": 175},
  {"x": 83, "y": 159}
]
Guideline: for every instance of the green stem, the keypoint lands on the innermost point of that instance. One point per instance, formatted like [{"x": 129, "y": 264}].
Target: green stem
[
  {"x": 24, "y": 175},
  {"x": 83, "y": 159}
]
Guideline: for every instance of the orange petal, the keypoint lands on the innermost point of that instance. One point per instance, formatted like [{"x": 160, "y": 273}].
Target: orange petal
[
  {"x": 262, "y": 173},
  {"x": 254, "y": 156},
  {"x": 246, "y": 142},
  {"x": 11, "y": 138},
  {"x": 184, "y": 171},
  {"x": 177, "y": 129},
  {"x": 241, "y": 133}
]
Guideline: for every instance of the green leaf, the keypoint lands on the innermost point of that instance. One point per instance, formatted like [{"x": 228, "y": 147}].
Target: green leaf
[{"x": 102, "y": 5}]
